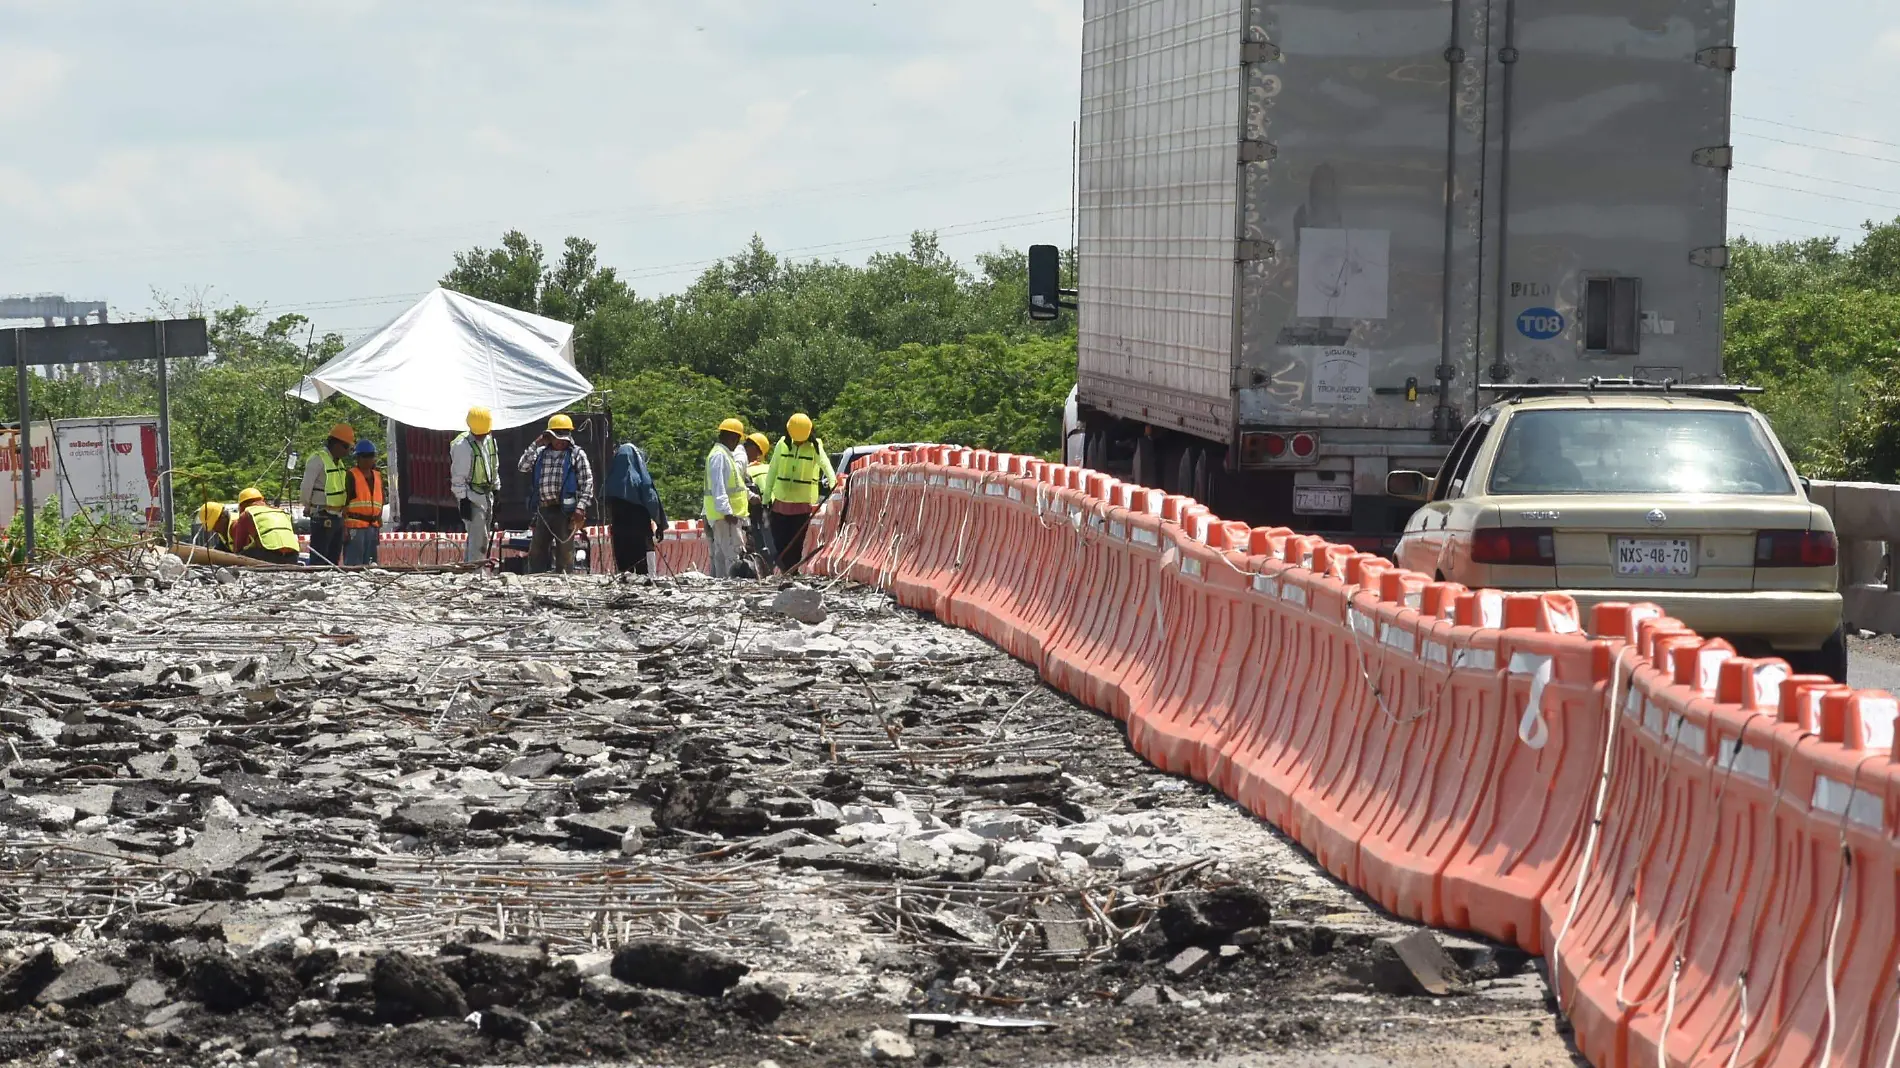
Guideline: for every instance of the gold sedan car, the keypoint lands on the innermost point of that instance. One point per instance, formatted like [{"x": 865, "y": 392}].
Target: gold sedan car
[{"x": 1684, "y": 500}]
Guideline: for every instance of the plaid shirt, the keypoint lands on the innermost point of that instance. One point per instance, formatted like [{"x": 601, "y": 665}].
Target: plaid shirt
[{"x": 551, "y": 476}]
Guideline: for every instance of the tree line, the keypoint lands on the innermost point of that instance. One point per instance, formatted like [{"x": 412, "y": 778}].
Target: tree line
[{"x": 907, "y": 346}]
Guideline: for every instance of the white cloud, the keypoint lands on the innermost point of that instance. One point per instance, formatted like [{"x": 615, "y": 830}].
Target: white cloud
[{"x": 30, "y": 81}]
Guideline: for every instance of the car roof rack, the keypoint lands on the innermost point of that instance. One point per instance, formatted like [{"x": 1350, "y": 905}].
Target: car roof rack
[{"x": 1618, "y": 387}]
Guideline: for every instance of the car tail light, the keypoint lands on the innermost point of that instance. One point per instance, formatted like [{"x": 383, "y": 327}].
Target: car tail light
[
  {"x": 1796, "y": 548},
  {"x": 1276, "y": 446},
  {"x": 1305, "y": 445},
  {"x": 1515, "y": 546}
]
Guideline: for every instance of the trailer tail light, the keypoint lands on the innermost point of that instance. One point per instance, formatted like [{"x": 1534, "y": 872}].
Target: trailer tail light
[
  {"x": 1515, "y": 547},
  {"x": 1274, "y": 445},
  {"x": 1796, "y": 548},
  {"x": 1305, "y": 445}
]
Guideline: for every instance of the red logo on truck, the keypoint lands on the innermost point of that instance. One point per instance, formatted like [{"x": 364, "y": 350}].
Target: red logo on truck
[{"x": 123, "y": 448}]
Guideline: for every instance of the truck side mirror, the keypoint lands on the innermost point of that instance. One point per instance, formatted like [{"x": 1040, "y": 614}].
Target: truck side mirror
[
  {"x": 1408, "y": 485},
  {"x": 1045, "y": 282}
]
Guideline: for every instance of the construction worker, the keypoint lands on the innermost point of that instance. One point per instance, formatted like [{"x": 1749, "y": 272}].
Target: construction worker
[
  {"x": 757, "y": 447},
  {"x": 214, "y": 527},
  {"x": 635, "y": 518},
  {"x": 363, "y": 515},
  {"x": 474, "y": 475},
  {"x": 799, "y": 469},
  {"x": 262, "y": 532},
  {"x": 559, "y": 492},
  {"x": 725, "y": 500},
  {"x": 324, "y": 493}
]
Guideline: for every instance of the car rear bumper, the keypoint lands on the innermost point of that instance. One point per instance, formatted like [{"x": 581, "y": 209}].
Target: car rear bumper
[{"x": 1795, "y": 622}]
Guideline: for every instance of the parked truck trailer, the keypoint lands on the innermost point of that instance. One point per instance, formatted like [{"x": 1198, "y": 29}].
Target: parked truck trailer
[{"x": 1309, "y": 233}]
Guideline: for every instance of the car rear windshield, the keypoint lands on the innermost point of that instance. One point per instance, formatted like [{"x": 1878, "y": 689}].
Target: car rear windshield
[{"x": 1637, "y": 451}]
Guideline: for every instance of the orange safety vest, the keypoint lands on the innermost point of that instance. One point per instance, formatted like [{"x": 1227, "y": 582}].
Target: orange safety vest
[{"x": 366, "y": 501}]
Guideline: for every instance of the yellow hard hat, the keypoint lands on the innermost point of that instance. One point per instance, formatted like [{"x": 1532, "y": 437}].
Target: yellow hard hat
[
  {"x": 481, "y": 421},
  {"x": 251, "y": 493},
  {"x": 799, "y": 427},
  {"x": 759, "y": 439},
  {"x": 209, "y": 514},
  {"x": 344, "y": 433},
  {"x": 732, "y": 426},
  {"x": 561, "y": 422}
]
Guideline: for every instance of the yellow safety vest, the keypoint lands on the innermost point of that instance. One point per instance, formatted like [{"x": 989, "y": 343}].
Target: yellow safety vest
[
  {"x": 735, "y": 485},
  {"x": 336, "y": 483},
  {"x": 795, "y": 470},
  {"x": 481, "y": 478},
  {"x": 275, "y": 530}
]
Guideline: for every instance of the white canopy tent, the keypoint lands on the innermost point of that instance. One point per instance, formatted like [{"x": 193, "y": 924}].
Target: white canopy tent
[{"x": 451, "y": 352}]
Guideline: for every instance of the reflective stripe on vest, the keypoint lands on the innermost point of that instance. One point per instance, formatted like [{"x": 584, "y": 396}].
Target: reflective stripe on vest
[
  {"x": 481, "y": 477},
  {"x": 275, "y": 529},
  {"x": 735, "y": 485},
  {"x": 366, "y": 500},
  {"x": 336, "y": 483},
  {"x": 796, "y": 471}
]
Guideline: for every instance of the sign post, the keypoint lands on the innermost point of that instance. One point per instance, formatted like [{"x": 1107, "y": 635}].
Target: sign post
[{"x": 158, "y": 341}]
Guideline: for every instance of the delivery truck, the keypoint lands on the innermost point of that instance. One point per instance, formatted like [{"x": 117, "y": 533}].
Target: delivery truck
[
  {"x": 1310, "y": 234},
  {"x": 104, "y": 467}
]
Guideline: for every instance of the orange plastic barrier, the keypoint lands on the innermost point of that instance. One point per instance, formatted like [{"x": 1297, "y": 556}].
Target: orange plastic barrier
[{"x": 1704, "y": 845}]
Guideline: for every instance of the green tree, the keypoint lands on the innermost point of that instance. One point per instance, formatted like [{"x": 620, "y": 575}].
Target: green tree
[{"x": 986, "y": 392}]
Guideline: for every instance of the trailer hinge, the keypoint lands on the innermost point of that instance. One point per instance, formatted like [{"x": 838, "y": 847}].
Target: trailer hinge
[
  {"x": 1248, "y": 251},
  {"x": 1722, "y": 156},
  {"x": 1259, "y": 52},
  {"x": 1716, "y": 256},
  {"x": 1258, "y": 151},
  {"x": 1720, "y": 58}
]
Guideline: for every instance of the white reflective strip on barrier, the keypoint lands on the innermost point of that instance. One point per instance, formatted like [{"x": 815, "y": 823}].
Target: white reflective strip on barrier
[
  {"x": 1266, "y": 584},
  {"x": 1144, "y": 536},
  {"x": 1652, "y": 717},
  {"x": 1015, "y": 494},
  {"x": 1528, "y": 663},
  {"x": 1479, "y": 659},
  {"x": 1190, "y": 567},
  {"x": 1118, "y": 529},
  {"x": 937, "y": 480},
  {"x": 1154, "y": 504},
  {"x": 1490, "y": 609},
  {"x": 1294, "y": 592},
  {"x": 1690, "y": 736},
  {"x": 1414, "y": 599},
  {"x": 1751, "y": 761},
  {"x": 1876, "y": 723},
  {"x": 1708, "y": 667},
  {"x": 1531, "y": 728},
  {"x": 1839, "y": 798},
  {"x": 1633, "y": 706},
  {"x": 1437, "y": 653},
  {"x": 1306, "y": 560},
  {"x": 1095, "y": 522},
  {"x": 1768, "y": 679},
  {"x": 1397, "y": 638},
  {"x": 1811, "y": 718},
  {"x": 1562, "y": 622},
  {"x": 1199, "y": 526},
  {"x": 1073, "y": 511},
  {"x": 1360, "y": 621},
  {"x": 994, "y": 489}
]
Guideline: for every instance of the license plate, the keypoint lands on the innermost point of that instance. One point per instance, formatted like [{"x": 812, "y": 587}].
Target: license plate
[
  {"x": 1322, "y": 500},
  {"x": 1655, "y": 556}
]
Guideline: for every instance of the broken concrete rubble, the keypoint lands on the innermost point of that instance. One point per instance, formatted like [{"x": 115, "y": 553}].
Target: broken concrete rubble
[{"x": 587, "y": 807}]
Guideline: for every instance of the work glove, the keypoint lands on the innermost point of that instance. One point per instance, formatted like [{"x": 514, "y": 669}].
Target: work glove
[
  {"x": 576, "y": 521},
  {"x": 468, "y": 509}
]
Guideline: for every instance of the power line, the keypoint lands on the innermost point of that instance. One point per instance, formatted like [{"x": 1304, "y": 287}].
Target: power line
[
  {"x": 1823, "y": 133},
  {"x": 1790, "y": 218},
  {"x": 1823, "y": 148},
  {"x": 1819, "y": 178},
  {"x": 1812, "y": 193}
]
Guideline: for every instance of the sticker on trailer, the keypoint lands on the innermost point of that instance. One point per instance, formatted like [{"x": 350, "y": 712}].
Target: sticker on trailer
[
  {"x": 1541, "y": 324},
  {"x": 1342, "y": 377},
  {"x": 1345, "y": 274}
]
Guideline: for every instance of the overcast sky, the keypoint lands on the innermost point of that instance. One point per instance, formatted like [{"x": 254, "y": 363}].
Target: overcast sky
[{"x": 331, "y": 155}]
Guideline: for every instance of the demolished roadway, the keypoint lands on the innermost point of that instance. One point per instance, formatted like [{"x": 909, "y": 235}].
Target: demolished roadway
[{"x": 377, "y": 818}]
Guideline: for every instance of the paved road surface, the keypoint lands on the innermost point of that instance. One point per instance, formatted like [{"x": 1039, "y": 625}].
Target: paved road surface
[{"x": 1874, "y": 664}]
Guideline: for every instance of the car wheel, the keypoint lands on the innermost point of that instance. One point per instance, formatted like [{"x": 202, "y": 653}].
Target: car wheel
[{"x": 1830, "y": 659}]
